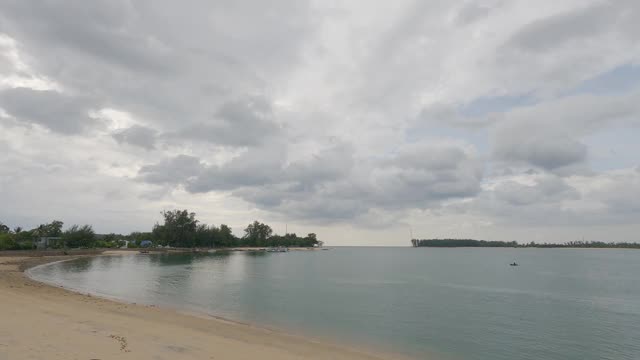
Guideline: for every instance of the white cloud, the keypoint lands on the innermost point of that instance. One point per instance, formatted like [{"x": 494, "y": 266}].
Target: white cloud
[
  {"x": 550, "y": 135},
  {"x": 336, "y": 115}
]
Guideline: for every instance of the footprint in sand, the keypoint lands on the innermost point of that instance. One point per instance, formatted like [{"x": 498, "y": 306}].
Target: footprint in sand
[{"x": 123, "y": 342}]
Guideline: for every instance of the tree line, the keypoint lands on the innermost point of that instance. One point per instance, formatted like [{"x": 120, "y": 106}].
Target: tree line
[
  {"x": 179, "y": 228},
  {"x": 514, "y": 244}
]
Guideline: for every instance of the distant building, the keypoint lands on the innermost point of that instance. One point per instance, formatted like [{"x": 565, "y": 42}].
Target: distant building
[
  {"x": 48, "y": 242},
  {"x": 319, "y": 244}
]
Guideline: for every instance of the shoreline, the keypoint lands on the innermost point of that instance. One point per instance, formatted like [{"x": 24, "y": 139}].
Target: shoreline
[
  {"x": 97, "y": 327},
  {"x": 106, "y": 251}
]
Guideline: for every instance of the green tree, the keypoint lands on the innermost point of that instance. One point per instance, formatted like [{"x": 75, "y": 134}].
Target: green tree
[
  {"x": 205, "y": 235},
  {"x": 225, "y": 237},
  {"x": 158, "y": 235},
  {"x": 178, "y": 230},
  {"x": 24, "y": 237},
  {"x": 4, "y": 229},
  {"x": 257, "y": 233},
  {"x": 7, "y": 241},
  {"x": 53, "y": 229},
  {"x": 311, "y": 240},
  {"x": 110, "y": 237},
  {"x": 79, "y": 236}
]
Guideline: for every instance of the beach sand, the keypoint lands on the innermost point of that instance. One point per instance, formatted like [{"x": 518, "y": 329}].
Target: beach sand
[{"x": 39, "y": 321}]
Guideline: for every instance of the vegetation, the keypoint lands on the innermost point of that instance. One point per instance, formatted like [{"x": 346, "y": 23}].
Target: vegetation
[
  {"x": 82, "y": 236},
  {"x": 461, "y": 243},
  {"x": 53, "y": 229},
  {"x": 182, "y": 229},
  {"x": 179, "y": 228},
  {"x": 513, "y": 244}
]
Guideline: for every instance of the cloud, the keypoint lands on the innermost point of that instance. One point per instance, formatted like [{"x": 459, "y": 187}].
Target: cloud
[
  {"x": 243, "y": 122},
  {"x": 614, "y": 190},
  {"x": 472, "y": 11},
  {"x": 331, "y": 184},
  {"x": 545, "y": 189},
  {"x": 434, "y": 113},
  {"x": 424, "y": 173},
  {"x": 51, "y": 109},
  {"x": 164, "y": 70},
  {"x": 171, "y": 171},
  {"x": 137, "y": 135},
  {"x": 546, "y": 151},
  {"x": 549, "y": 135},
  {"x": 531, "y": 199},
  {"x": 556, "y": 30},
  {"x": 255, "y": 167}
]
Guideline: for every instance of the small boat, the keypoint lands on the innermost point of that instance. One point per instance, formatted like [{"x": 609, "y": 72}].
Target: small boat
[
  {"x": 278, "y": 249},
  {"x": 514, "y": 264},
  {"x": 144, "y": 251}
]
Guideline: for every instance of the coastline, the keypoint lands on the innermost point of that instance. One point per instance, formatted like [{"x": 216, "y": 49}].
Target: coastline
[{"x": 44, "y": 321}]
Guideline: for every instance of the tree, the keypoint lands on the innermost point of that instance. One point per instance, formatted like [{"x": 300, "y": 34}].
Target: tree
[
  {"x": 205, "y": 235},
  {"x": 7, "y": 241},
  {"x": 4, "y": 229},
  {"x": 112, "y": 238},
  {"x": 53, "y": 229},
  {"x": 311, "y": 240},
  {"x": 225, "y": 237},
  {"x": 158, "y": 235},
  {"x": 257, "y": 233},
  {"x": 178, "y": 230},
  {"x": 79, "y": 236},
  {"x": 24, "y": 237}
]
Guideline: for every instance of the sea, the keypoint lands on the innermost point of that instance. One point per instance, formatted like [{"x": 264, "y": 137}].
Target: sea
[{"x": 423, "y": 303}]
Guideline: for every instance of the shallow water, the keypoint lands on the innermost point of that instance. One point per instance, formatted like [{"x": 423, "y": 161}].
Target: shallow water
[{"x": 457, "y": 303}]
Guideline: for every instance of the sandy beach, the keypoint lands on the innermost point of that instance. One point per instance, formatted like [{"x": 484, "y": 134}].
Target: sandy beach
[{"x": 38, "y": 321}]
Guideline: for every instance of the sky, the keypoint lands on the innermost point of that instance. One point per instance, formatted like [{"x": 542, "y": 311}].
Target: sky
[{"x": 362, "y": 121}]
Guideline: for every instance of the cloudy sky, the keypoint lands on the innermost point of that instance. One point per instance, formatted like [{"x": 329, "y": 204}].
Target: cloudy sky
[{"x": 358, "y": 120}]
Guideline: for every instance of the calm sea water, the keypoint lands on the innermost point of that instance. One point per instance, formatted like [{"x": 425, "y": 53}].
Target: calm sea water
[{"x": 443, "y": 303}]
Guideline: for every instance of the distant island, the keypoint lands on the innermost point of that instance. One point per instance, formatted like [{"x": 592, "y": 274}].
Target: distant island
[{"x": 514, "y": 244}]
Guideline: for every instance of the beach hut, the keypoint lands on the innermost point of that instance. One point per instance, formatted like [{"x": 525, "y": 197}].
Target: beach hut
[{"x": 47, "y": 242}]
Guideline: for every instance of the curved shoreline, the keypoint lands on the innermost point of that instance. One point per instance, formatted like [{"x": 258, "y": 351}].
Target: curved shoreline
[
  {"x": 27, "y": 273},
  {"x": 102, "y": 327}
]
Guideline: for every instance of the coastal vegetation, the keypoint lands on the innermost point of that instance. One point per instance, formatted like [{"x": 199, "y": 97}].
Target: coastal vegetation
[
  {"x": 514, "y": 244},
  {"x": 179, "y": 229}
]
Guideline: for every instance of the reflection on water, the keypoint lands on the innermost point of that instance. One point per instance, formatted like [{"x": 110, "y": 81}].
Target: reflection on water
[{"x": 457, "y": 303}]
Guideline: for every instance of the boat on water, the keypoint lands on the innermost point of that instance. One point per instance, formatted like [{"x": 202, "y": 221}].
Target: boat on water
[
  {"x": 278, "y": 249},
  {"x": 514, "y": 264}
]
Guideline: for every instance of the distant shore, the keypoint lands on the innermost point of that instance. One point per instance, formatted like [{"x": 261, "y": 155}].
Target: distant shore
[
  {"x": 466, "y": 243},
  {"x": 45, "y": 322}
]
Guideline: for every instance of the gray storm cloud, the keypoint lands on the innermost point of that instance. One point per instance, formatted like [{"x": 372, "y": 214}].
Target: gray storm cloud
[{"x": 321, "y": 113}]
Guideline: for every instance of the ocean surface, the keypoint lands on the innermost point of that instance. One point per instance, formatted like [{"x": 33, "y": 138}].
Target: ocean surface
[{"x": 458, "y": 303}]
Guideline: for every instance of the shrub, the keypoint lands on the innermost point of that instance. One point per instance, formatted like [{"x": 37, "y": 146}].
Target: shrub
[{"x": 7, "y": 242}]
